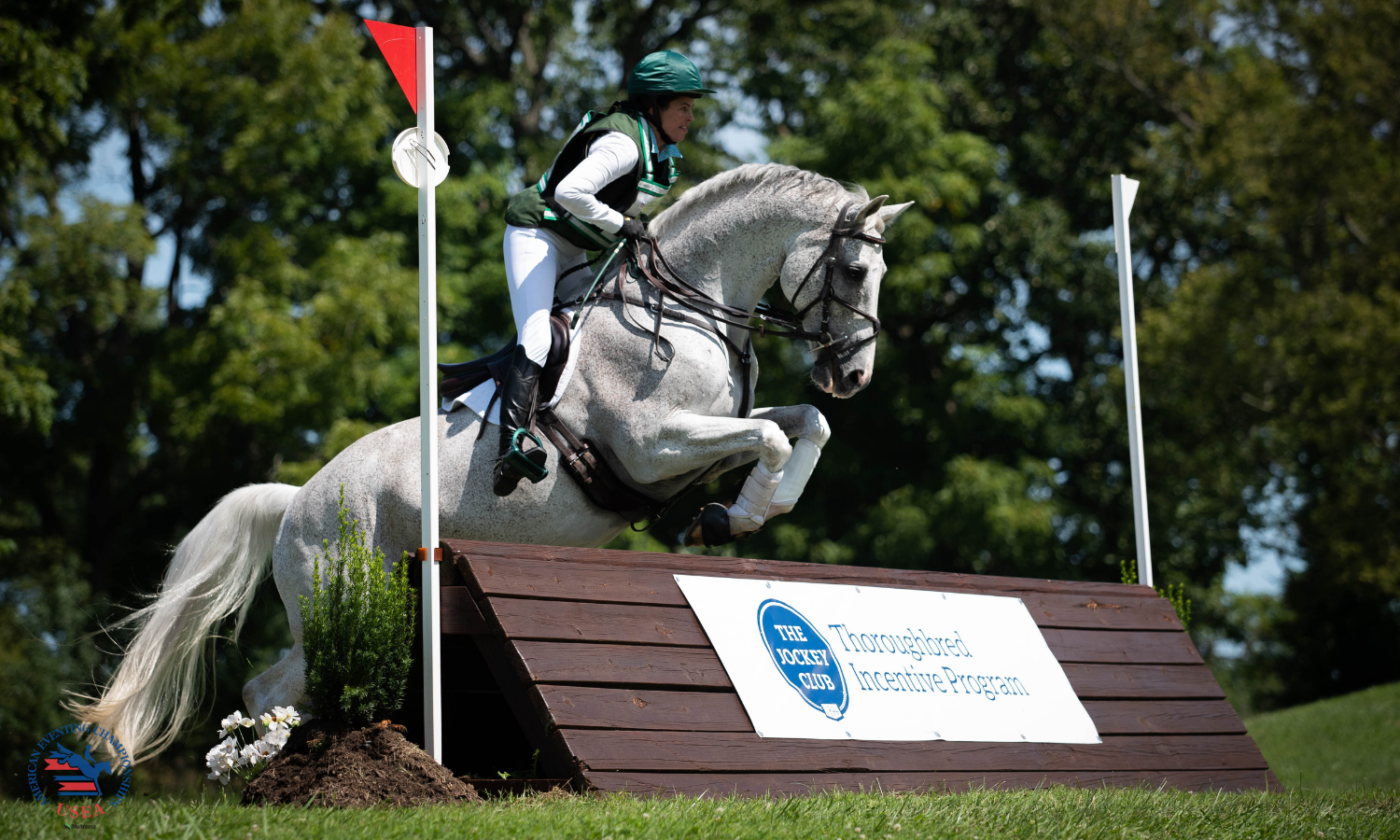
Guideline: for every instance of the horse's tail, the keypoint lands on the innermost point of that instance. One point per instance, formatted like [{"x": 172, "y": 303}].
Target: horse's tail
[{"x": 217, "y": 568}]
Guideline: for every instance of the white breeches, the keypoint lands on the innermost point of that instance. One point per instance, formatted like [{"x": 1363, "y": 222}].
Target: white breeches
[{"x": 534, "y": 260}]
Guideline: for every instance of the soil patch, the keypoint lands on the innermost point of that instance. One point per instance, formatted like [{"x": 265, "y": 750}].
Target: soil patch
[{"x": 354, "y": 768}]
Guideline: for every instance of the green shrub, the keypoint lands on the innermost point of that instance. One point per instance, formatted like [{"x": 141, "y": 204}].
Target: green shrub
[{"x": 358, "y": 630}]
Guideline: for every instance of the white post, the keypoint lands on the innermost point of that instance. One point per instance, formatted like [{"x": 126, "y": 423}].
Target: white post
[
  {"x": 1124, "y": 191},
  {"x": 428, "y": 399}
]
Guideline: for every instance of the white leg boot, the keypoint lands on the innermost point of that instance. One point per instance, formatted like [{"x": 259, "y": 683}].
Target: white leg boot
[
  {"x": 751, "y": 508},
  {"x": 795, "y": 473}
]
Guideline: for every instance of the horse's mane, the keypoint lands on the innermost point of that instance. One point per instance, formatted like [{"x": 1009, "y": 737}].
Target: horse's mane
[{"x": 779, "y": 177}]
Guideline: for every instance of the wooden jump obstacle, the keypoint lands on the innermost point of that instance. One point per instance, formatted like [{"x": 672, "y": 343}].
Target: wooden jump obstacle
[{"x": 597, "y": 658}]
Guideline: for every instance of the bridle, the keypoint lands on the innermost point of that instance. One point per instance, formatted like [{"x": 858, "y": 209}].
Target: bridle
[{"x": 658, "y": 273}]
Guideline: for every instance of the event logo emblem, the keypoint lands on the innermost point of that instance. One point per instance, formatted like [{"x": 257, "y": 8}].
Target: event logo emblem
[
  {"x": 804, "y": 658},
  {"x": 79, "y": 776}
]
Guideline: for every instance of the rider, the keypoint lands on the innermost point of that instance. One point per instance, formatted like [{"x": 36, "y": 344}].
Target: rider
[{"x": 613, "y": 165}]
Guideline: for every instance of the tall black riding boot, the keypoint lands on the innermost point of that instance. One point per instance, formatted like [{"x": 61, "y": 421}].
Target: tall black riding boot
[{"x": 518, "y": 412}]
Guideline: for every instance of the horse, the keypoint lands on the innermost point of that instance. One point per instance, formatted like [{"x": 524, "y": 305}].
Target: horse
[{"x": 664, "y": 421}]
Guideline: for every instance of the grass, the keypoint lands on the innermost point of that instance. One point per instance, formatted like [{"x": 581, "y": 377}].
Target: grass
[
  {"x": 1343, "y": 743},
  {"x": 980, "y": 815}
]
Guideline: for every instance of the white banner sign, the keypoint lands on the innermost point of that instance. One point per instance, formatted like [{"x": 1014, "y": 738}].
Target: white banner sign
[{"x": 816, "y": 660}]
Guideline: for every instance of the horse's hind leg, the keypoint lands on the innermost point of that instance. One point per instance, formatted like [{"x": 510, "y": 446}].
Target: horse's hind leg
[
  {"x": 293, "y": 557},
  {"x": 281, "y": 685}
]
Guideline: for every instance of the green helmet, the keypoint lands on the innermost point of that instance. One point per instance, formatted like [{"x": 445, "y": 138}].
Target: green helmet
[{"x": 666, "y": 71}]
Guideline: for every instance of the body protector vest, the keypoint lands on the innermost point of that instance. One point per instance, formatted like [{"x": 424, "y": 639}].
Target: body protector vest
[{"x": 535, "y": 206}]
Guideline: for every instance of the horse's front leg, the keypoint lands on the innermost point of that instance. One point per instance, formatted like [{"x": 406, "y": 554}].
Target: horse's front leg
[
  {"x": 809, "y": 427},
  {"x": 686, "y": 442}
]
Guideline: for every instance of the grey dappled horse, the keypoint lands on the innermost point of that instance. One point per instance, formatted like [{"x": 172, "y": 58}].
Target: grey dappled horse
[{"x": 661, "y": 423}]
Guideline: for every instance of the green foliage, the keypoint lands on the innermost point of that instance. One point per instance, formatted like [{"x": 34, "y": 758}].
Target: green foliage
[
  {"x": 1175, "y": 594},
  {"x": 1179, "y": 602},
  {"x": 1092, "y": 813},
  {"x": 253, "y": 137},
  {"x": 357, "y": 629},
  {"x": 1345, "y": 742}
]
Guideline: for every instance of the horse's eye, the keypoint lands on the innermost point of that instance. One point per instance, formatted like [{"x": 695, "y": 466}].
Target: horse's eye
[{"x": 856, "y": 272}]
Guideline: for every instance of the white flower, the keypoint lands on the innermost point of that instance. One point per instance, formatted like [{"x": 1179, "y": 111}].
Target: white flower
[
  {"x": 287, "y": 715},
  {"x": 267, "y": 720},
  {"x": 230, "y": 723},
  {"x": 277, "y": 737},
  {"x": 256, "y": 753},
  {"x": 222, "y": 759}
]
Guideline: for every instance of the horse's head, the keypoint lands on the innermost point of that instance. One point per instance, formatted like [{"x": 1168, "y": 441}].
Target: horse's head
[{"x": 833, "y": 280}]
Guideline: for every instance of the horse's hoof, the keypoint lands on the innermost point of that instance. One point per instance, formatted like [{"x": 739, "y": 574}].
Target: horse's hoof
[{"x": 710, "y": 528}]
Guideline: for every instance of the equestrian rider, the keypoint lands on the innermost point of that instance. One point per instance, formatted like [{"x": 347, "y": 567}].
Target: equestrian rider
[{"x": 613, "y": 165}]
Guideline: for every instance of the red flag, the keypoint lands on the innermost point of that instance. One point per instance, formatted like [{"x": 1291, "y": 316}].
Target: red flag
[
  {"x": 54, "y": 764},
  {"x": 400, "y": 47}
]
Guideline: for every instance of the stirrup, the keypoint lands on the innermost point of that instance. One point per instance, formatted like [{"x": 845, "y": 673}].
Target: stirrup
[{"x": 521, "y": 461}]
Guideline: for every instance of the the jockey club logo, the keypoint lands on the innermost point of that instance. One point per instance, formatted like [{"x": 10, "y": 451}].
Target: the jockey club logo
[
  {"x": 79, "y": 776},
  {"x": 803, "y": 657}
]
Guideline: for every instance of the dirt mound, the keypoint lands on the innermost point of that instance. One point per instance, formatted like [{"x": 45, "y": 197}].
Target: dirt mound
[{"x": 354, "y": 768}]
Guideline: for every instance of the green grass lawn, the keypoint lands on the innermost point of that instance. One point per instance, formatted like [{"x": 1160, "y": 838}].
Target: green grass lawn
[
  {"x": 1345, "y": 742},
  {"x": 1056, "y": 812}
]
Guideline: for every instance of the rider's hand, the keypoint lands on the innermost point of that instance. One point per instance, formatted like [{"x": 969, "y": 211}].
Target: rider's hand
[{"x": 632, "y": 229}]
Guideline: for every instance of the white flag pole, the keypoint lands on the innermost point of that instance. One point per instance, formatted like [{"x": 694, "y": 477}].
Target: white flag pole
[
  {"x": 428, "y": 399},
  {"x": 1124, "y": 191}
]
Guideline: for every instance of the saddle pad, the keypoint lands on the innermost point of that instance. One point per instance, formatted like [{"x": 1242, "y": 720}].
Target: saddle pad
[{"x": 479, "y": 398}]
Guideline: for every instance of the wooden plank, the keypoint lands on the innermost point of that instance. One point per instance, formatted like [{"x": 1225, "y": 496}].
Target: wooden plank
[
  {"x": 1125, "y": 646},
  {"x": 1164, "y": 717},
  {"x": 588, "y": 707},
  {"x": 598, "y": 622},
  {"x": 799, "y": 784},
  {"x": 552, "y": 662},
  {"x": 1142, "y": 681},
  {"x": 815, "y": 572},
  {"x": 1092, "y": 612},
  {"x": 654, "y": 667},
  {"x": 599, "y": 749},
  {"x": 640, "y": 708},
  {"x": 458, "y": 613},
  {"x": 610, "y": 622}
]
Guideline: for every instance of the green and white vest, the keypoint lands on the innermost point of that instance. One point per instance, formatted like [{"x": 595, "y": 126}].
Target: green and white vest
[{"x": 535, "y": 206}]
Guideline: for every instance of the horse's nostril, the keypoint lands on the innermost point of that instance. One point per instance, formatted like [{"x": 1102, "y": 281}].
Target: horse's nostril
[{"x": 855, "y": 378}]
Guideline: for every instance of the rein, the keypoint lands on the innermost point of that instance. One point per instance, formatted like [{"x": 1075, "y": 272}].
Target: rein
[
  {"x": 589, "y": 469},
  {"x": 669, "y": 283}
]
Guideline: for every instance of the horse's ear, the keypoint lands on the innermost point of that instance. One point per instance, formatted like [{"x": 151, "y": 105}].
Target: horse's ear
[
  {"x": 889, "y": 214},
  {"x": 873, "y": 206}
]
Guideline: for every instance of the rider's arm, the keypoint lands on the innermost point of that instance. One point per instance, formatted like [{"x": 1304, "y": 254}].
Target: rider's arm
[{"x": 609, "y": 157}]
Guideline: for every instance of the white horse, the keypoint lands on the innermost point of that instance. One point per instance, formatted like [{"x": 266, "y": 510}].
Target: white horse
[{"x": 662, "y": 423}]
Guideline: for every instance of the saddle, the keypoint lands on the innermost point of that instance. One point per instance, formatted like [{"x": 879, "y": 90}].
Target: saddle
[
  {"x": 581, "y": 460},
  {"x": 460, "y": 378}
]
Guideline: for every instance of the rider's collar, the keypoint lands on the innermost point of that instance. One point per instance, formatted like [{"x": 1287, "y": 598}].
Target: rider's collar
[{"x": 669, "y": 151}]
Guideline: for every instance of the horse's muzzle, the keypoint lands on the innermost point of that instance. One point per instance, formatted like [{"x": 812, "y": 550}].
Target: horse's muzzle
[{"x": 840, "y": 381}]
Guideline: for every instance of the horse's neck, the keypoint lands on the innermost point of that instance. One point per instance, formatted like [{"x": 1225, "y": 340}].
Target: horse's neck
[{"x": 734, "y": 252}]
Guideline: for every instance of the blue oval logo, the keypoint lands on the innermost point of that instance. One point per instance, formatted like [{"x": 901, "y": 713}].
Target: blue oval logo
[{"x": 803, "y": 657}]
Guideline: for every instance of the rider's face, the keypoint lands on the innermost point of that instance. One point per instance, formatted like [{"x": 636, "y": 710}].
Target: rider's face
[{"x": 677, "y": 117}]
